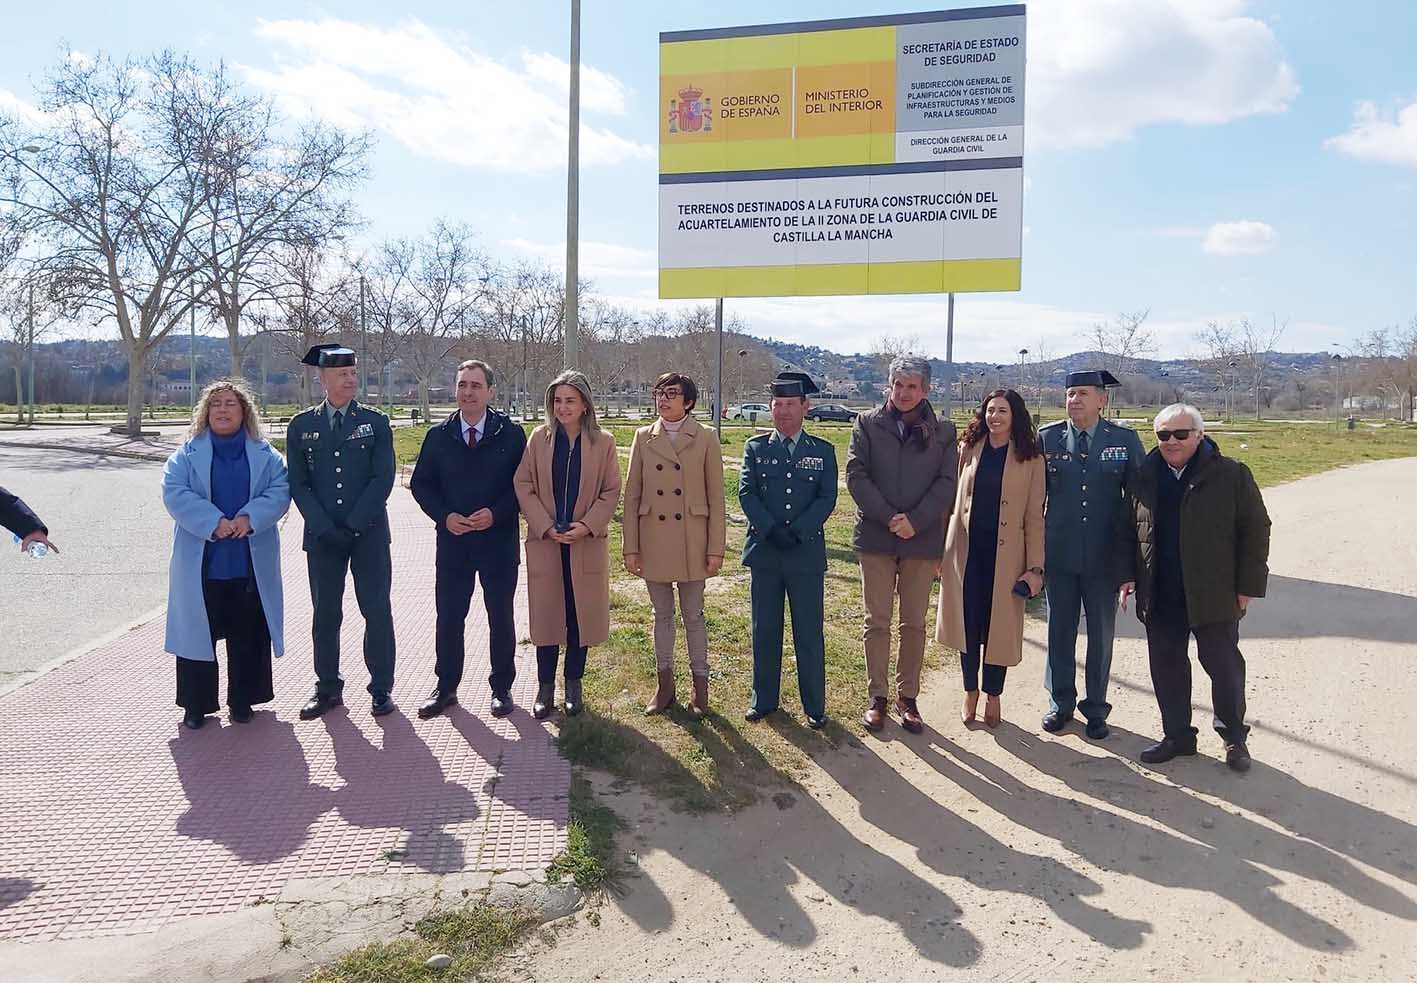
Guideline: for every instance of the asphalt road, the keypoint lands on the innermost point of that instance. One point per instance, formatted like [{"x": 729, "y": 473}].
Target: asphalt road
[{"x": 105, "y": 514}]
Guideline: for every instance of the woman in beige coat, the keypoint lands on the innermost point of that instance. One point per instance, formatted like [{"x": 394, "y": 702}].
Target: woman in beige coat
[
  {"x": 568, "y": 485},
  {"x": 994, "y": 548},
  {"x": 674, "y": 528}
]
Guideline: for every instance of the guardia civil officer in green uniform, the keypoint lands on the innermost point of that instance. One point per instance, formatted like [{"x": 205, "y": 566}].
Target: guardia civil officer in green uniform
[
  {"x": 341, "y": 459},
  {"x": 787, "y": 489},
  {"x": 1090, "y": 462}
]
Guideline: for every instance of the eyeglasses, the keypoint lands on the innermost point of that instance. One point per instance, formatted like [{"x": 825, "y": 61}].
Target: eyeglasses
[
  {"x": 668, "y": 393},
  {"x": 1163, "y": 436}
]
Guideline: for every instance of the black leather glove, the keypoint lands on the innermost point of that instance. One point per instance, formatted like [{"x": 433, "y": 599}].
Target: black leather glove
[
  {"x": 784, "y": 537},
  {"x": 338, "y": 538}
]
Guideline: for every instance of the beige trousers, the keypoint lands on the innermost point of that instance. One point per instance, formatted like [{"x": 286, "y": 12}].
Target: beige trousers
[
  {"x": 883, "y": 577},
  {"x": 691, "y": 608}
]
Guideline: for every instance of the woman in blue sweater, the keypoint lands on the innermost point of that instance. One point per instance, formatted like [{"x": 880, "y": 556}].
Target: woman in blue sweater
[{"x": 227, "y": 489}]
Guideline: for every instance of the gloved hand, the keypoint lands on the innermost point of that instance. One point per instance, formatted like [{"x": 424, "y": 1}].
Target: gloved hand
[
  {"x": 784, "y": 537},
  {"x": 338, "y": 538}
]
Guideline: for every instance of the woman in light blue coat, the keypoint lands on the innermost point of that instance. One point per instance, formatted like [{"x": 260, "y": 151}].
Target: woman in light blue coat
[{"x": 227, "y": 489}]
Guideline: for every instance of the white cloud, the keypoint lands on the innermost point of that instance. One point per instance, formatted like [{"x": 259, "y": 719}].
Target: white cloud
[
  {"x": 437, "y": 98},
  {"x": 595, "y": 259},
  {"x": 1386, "y": 138},
  {"x": 1099, "y": 70},
  {"x": 600, "y": 91},
  {"x": 16, "y": 108},
  {"x": 1243, "y": 238}
]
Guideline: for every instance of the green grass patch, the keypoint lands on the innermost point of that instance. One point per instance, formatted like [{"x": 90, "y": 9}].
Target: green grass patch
[
  {"x": 590, "y": 841},
  {"x": 475, "y": 937}
]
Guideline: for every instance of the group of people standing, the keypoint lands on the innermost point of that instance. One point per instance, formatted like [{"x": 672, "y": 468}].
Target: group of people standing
[{"x": 998, "y": 516}]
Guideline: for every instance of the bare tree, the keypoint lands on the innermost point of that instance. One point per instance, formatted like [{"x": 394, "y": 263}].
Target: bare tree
[
  {"x": 116, "y": 188},
  {"x": 1124, "y": 339},
  {"x": 1255, "y": 348},
  {"x": 446, "y": 276},
  {"x": 27, "y": 303},
  {"x": 314, "y": 309},
  {"x": 522, "y": 324},
  {"x": 268, "y": 195}
]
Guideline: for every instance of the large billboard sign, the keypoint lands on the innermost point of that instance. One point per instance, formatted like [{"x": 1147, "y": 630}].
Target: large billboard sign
[{"x": 873, "y": 155}]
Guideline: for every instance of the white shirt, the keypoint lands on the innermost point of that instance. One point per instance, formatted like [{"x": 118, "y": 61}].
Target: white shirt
[
  {"x": 478, "y": 426},
  {"x": 1179, "y": 471}
]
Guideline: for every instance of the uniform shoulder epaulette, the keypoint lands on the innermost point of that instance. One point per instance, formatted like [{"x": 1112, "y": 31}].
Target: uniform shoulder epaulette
[
  {"x": 1119, "y": 426},
  {"x": 375, "y": 410},
  {"x": 761, "y": 438},
  {"x": 1050, "y": 426}
]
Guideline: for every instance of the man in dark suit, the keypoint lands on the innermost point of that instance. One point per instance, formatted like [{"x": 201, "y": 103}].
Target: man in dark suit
[
  {"x": 787, "y": 490},
  {"x": 20, "y": 519},
  {"x": 463, "y": 482},
  {"x": 341, "y": 458}
]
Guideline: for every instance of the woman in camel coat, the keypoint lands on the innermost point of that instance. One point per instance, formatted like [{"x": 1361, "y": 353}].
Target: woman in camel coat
[
  {"x": 675, "y": 528},
  {"x": 995, "y": 541},
  {"x": 568, "y": 485}
]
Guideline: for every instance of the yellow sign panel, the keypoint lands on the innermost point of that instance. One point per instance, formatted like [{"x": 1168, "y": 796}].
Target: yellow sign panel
[{"x": 869, "y": 155}]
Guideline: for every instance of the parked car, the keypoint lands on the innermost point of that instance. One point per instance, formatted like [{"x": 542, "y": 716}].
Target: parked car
[
  {"x": 831, "y": 411},
  {"x": 750, "y": 411}
]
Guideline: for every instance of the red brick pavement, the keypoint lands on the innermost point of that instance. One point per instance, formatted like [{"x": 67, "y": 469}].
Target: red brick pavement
[{"x": 116, "y": 818}]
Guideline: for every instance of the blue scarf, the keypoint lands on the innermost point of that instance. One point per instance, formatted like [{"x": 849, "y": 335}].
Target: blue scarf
[{"x": 229, "y": 559}]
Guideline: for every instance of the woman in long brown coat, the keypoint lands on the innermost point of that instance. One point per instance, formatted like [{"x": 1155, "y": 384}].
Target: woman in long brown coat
[
  {"x": 568, "y": 485},
  {"x": 994, "y": 548},
  {"x": 674, "y": 528}
]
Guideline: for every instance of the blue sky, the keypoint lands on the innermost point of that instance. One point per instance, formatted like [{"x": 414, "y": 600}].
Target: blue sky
[{"x": 1206, "y": 159}]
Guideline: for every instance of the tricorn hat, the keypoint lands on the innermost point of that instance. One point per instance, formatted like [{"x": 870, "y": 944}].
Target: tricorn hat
[
  {"x": 793, "y": 384},
  {"x": 328, "y": 356},
  {"x": 1100, "y": 378}
]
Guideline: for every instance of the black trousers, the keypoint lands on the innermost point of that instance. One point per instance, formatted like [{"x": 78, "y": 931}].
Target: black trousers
[
  {"x": 234, "y": 612},
  {"x": 456, "y": 582},
  {"x": 1218, "y": 647},
  {"x": 978, "y": 612},
  {"x": 373, "y": 576},
  {"x": 547, "y": 655}
]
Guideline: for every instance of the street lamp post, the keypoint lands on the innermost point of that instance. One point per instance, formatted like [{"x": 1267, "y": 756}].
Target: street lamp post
[
  {"x": 1337, "y": 360},
  {"x": 571, "y": 337},
  {"x": 1021, "y": 353}
]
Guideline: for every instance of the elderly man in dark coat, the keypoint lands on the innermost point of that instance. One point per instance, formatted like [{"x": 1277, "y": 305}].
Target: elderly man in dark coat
[{"x": 1194, "y": 542}]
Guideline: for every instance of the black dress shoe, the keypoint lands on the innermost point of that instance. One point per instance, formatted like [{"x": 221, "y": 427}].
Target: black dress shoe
[
  {"x": 1054, "y": 721},
  {"x": 242, "y": 715},
  {"x": 817, "y": 723},
  {"x": 318, "y": 704},
  {"x": 436, "y": 703},
  {"x": 194, "y": 719},
  {"x": 575, "y": 701},
  {"x": 1098, "y": 730},
  {"x": 502, "y": 704},
  {"x": 1166, "y": 749},
  {"x": 383, "y": 704},
  {"x": 545, "y": 700},
  {"x": 753, "y": 713},
  {"x": 1237, "y": 756}
]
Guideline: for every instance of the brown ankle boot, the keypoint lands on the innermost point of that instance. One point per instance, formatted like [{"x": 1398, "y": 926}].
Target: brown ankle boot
[
  {"x": 699, "y": 707},
  {"x": 664, "y": 695}
]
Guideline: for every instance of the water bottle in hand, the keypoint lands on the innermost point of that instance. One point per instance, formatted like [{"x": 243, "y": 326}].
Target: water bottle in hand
[{"x": 35, "y": 549}]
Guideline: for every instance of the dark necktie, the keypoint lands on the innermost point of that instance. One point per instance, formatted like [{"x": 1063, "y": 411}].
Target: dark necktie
[
  {"x": 1082, "y": 444},
  {"x": 339, "y": 421},
  {"x": 472, "y": 436}
]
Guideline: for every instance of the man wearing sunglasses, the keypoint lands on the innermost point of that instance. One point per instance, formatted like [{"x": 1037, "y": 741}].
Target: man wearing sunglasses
[{"x": 1195, "y": 539}]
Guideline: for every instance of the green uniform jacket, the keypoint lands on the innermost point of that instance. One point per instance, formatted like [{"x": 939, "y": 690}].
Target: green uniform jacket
[
  {"x": 1224, "y": 536},
  {"x": 1084, "y": 496},
  {"x": 345, "y": 482},
  {"x": 797, "y": 491}
]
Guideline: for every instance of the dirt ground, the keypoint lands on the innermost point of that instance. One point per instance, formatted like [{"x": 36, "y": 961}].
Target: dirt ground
[{"x": 1015, "y": 855}]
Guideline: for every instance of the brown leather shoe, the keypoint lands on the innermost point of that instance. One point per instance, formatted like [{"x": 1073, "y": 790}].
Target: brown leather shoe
[
  {"x": 875, "y": 717},
  {"x": 664, "y": 695},
  {"x": 698, "y": 707},
  {"x": 909, "y": 714},
  {"x": 968, "y": 710},
  {"x": 993, "y": 712}
]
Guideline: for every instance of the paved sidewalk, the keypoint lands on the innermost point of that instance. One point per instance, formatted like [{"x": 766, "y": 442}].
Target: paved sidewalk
[{"x": 118, "y": 819}]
